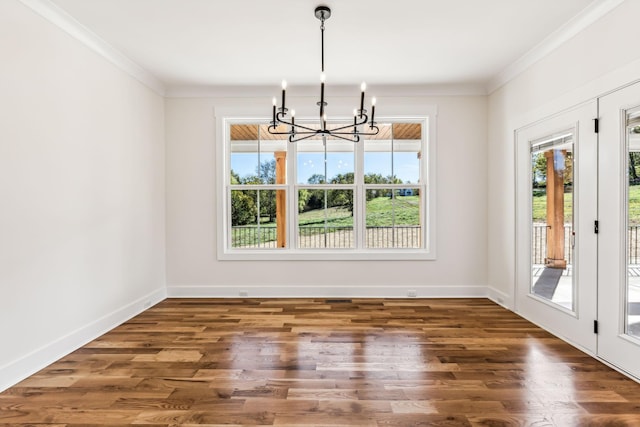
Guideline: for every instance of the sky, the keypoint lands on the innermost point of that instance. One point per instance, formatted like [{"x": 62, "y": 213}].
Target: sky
[{"x": 405, "y": 164}]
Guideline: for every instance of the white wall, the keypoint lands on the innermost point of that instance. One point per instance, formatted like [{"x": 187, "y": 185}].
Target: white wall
[
  {"x": 597, "y": 60},
  {"x": 81, "y": 194},
  {"x": 460, "y": 268}
]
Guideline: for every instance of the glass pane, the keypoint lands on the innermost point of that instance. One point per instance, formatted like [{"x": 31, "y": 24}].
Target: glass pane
[
  {"x": 377, "y": 161},
  {"x": 552, "y": 219},
  {"x": 340, "y": 162},
  {"x": 633, "y": 224},
  {"x": 253, "y": 156},
  {"x": 393, "y": 218},
  {"x": 310, "y": 167},
  {"x": 250, "y": 230},
  {"x": 325, "y": 218},
  {"x": 331, "y": 162},
  {"x": 407, "y": 150},
  {"x": 393, "y": 156}
]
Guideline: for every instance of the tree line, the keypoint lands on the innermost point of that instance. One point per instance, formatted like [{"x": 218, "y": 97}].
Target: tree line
[{"x": 244, "y": 203}]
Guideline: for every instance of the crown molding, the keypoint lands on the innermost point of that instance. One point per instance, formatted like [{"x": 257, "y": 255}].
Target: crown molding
[
  {"x": 67, "y": 23},
  {"x": 585, "y": 18}
]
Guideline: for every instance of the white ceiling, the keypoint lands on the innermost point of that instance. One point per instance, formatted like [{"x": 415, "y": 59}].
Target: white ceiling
[{"x": 206, "y": 43}]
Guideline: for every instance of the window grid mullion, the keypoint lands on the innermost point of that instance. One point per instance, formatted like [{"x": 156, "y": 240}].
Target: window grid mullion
[{"x": 358, "y": 193}]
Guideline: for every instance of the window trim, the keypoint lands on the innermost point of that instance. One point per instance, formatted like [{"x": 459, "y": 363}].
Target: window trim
[{"x": 251, "y": 114}]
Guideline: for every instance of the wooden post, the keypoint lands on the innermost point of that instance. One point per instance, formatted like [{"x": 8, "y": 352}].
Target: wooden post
[
  {"x": 555, "y": 209},
  {"x": 281, "y": 199}
]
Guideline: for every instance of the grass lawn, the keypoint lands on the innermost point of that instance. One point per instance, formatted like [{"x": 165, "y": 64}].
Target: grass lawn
[
  {"x": 540, "y": 205},
  {"x": 380, "y": 213}
]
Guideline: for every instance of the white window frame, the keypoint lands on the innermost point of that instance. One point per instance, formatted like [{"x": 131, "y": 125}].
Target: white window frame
[{"x": 224, "y": 117}]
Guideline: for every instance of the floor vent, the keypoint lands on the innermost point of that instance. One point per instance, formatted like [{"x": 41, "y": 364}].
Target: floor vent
[{"x": 338, "y": 301}]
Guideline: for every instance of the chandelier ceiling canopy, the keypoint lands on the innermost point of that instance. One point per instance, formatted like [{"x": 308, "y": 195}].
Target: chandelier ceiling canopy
[{"x": 352, "y": 132}]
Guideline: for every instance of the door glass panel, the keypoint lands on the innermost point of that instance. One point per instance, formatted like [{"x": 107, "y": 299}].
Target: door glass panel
[
  {"x": 552, "y": 239},
  {"x": 633, "y": 224}
]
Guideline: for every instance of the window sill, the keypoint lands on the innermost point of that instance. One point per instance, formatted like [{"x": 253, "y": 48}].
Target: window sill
[{"x": 325, "y": 255}]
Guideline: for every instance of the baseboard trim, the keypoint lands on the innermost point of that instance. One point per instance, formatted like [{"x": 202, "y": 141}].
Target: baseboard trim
[
  {"x": 323, "y": 291},
  {"x": 16, "y": 371},
  {"x": 500, "y": 298}
]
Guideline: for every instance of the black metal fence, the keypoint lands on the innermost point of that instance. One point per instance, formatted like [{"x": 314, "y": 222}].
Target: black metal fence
[
  {"x": 539, "y": 244},
  {"x": 312, "y": 237},
  {"x": 394, "y": 237},
  {"x": 325, "y": 237},
  {"x": 251, "y": 236},
  {"x": 634, "y": 249}
]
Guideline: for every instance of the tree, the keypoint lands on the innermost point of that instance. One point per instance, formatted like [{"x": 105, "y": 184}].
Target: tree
[
  {"x": 303, "y": 200},
  {"x": 634, "y": 162},
  {"x": 340, "y": 199},
  {"x": 235, "y": 178},
  {"x": 346, "y": 178},
  {"x": 243, "y": 206},
  {"x": 267, "y": 171},
  {"x": 539, "y": 166},
  {"x": 374, "y": 178},
  {"x": 316, "y": 178},
  {"x": 265, "y": 174},
  {"x": 392, "y": 179}
]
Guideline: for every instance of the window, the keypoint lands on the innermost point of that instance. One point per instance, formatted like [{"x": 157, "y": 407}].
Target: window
[{"x": 326, "y": 199}]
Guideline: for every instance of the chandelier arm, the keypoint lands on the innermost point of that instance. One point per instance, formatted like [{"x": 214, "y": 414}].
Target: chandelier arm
[
  {"x": 354, "y": 138},
  {"x": 297, "y": 126},
  {"x": 350, "y": 126},
  {"x": 292, "y": 138},
  {"x": 377, "y": 130},
  {"x": 345, "y": 133},
  {"x": 308, "y": 130},
  {"x": 280, "y": 117}
]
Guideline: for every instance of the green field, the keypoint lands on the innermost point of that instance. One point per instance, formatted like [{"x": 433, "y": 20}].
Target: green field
[
  {"x": 540, "y": 205},
  {"x": 380, "y": 213}
]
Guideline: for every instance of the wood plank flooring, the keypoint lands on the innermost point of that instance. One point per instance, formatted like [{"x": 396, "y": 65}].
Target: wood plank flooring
[{"x": 316, "y": 362}]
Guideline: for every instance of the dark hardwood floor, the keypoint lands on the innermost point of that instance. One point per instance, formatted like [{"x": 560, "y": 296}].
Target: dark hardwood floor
[{"x": 316, "y": 362}]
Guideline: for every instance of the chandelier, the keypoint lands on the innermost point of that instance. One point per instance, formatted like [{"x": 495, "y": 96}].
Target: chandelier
[{"x": 298, "y": 132}]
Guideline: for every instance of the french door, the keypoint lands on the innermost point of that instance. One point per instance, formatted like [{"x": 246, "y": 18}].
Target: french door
[
  {"x": 619, "y": 238},
  {"x": 556, "y": 247},
  {"x": 578, "y": 226}
]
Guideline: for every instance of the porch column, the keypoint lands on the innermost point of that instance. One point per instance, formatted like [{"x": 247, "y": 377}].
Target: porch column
[
  {"x": 281, "y": 199},
  {"x": 555, "y": 208}
]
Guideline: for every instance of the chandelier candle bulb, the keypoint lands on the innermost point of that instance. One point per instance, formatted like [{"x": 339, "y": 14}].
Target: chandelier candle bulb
[
  {"x": 284, "y": 88},
  {"x": 373, "y": 109},
  {"x": 274, "y": 110}
]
